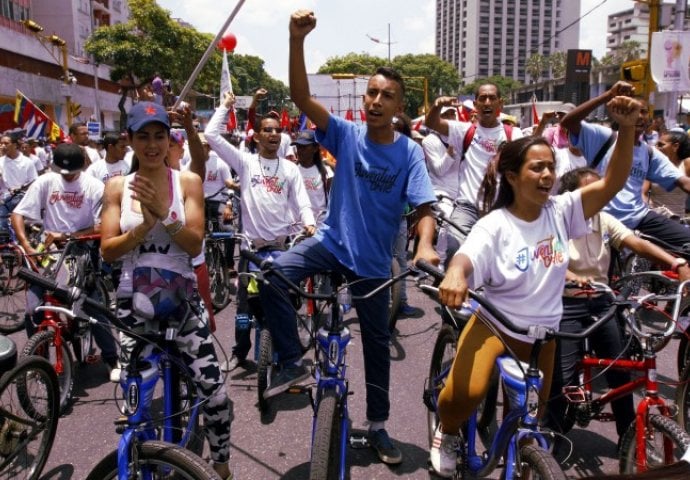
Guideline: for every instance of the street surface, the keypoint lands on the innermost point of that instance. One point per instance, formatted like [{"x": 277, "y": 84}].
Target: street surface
[{"x": 277, "y": 445}]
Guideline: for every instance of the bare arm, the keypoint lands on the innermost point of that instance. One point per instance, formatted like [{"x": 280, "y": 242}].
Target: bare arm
[
  {"x": 453, "y": 288},
  {"x": 656, "y": 254},
  {"x": 433, "y": 118},
  {"x": 595, "y": 196},
  {"x": 301, "y": 23},
  {"x": 543, "y": 122},
  {"x": 425, "y": 230},
  {"x": 571, "y": 121}
]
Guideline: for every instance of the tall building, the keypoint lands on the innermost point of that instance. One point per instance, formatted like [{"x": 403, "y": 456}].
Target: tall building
[{"x": 495, "y": 37}]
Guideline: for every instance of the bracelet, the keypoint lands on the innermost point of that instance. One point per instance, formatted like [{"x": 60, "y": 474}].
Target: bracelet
[
  {"x": 170, "y": 219},
  {"x": 137, "y": 239},
  {"x": 174, "y": 228}
]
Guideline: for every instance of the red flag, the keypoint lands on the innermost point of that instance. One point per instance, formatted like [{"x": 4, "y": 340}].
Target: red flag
[
  {"x": 418, "y": 125},
  {"x": 284, "y": 119},
  {"x": 362, "y": 116},
  {"x": 349, "y": 115},
  {"x": 535, "y": 115},
  {"x": 249, "y": 126},
  {"x": 232, "y": 120}
]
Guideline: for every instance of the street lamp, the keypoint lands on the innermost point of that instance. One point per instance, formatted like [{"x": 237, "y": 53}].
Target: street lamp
[{"x": 59, "y": 43}]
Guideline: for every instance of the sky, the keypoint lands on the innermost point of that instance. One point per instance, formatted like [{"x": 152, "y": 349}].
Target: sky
[{"x": 261, "y": 27}]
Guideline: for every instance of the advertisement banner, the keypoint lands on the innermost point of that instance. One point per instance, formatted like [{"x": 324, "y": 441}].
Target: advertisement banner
[{"x": 670, "y": 58}]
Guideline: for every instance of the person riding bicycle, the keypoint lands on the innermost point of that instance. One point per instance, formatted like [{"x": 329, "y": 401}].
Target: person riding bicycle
[
  {"x": 155, "y": 215},
  {"x": 589, "y": 261},
  {"x": 377, "y": 173},
  {"x": 16, "y": 173},
  {"x": 518, "y": 253},
  {"x": 273, "y": 195},
  {"x": 69, "y": 203}
]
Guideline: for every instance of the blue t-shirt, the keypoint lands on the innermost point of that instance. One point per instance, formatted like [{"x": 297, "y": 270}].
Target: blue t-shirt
[
  {"x": 371, "y": 186},
  {"x": 648, "y": 164}
]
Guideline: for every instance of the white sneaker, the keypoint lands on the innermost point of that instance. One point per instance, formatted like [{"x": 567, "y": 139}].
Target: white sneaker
[
  {"x": 444, "y": 453},
  {"x": 115, "y": 372}
]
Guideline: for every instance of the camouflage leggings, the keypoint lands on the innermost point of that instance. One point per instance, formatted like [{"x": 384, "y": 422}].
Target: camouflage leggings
[{"x": 198, "y": 353}]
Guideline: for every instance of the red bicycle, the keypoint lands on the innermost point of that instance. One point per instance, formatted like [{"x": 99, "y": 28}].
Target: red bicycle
[{"x": 654, "y": 438}]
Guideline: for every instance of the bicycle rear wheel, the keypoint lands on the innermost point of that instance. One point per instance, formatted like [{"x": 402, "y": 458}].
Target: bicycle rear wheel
[
  {"x": 161, "y": 460},
  {"x": 666, "y": 443},
  {"x": 325, "y": 448},
  {"x": 217, "y": 275},
  {"x": 536, "y": 463},
  {"x": 683, "y": 399},
  {"x": 12, "y": 297},
  {"x": 264, "y": 367},
  {"x": 42, "y": 344},
  {"x": 28, "y": 418}
]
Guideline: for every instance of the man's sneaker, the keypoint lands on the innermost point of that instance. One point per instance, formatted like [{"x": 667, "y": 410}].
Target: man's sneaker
[
  {"x": 408, "y": 311},
  {"x": 232, "y": 363},
  {"x": 444, "y": 453},
  {"x": 114, "y": 371},
  {"x": 381, "y": 442},
  {"x": 288, "y": 376}
]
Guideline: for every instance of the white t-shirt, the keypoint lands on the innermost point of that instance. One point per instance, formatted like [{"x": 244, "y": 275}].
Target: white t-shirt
[
  {"x": 565, "y": 162},
  {"x": 103, "y": 170},
  {"x": 67, "y": 206},
  {"x": 271, "y": 188},
  {"x": 484, "y": 146},
  {"x": 522, "y": 264},
  {"x": 93, "y": 154},
  {"x": 313, "y": 183},
  {"x": 17, "y": 172},
  {"x": 217, "y": 172},
  {"x": 444, "y": 169},
  {"x": 285, "y": 150}
]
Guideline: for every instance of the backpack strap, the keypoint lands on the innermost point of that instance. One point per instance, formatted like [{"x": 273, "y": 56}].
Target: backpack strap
[
  {"x": 602, "y": 151},
  {"x": 508, "y": 128},
  {"x": 467, "y": 140}
]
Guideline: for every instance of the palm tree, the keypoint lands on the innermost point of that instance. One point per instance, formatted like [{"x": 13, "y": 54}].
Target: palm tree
[
  {"x": 557, "y": 64},
  {"x": 535, "y": 66}
]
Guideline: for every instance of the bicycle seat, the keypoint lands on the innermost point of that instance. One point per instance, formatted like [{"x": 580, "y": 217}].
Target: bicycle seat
[{"x": 8, "y": 354}]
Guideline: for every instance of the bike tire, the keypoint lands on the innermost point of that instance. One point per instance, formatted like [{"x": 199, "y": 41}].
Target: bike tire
[
  {"x": 538, "y": 464},
  {"x": 396, "y": 297},
  {"x": 683, "y": 399},
  {"x": 178, "y": 462},
  {"x": 441, "y": 358},
  {"x": 658, "y": 427},
  {"x": 264, "y": 367},
  {"x": 12, "y": 297},
  {"x": 217, "y": 276},
  {"x": 28, "y": 418},
  {"x": 325, "y": 448},
  {"x": 683, "y": 358},
  {"x": 42, "y": 344}
]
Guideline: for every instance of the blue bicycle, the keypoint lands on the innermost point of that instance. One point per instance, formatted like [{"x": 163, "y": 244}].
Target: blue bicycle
[
  {"x": 140, "y": 453},
  {"x": 519, "y": 442},
  {"x": 329, "y": 394}
]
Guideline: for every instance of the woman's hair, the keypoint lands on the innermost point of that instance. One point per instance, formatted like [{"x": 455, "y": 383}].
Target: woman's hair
[
  {"x": 571, "y": 180},
  {"x": 682, "y": 140},
  {"x": 509, "y": 158}
]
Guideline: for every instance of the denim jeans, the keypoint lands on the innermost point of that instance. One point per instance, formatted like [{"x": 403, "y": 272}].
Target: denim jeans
[
  {"x": 311, "y": 257},
  {"x": 664, "y": 228},
  {"x": 606, "y": 342},
  {"x": 464, "y": 215}
]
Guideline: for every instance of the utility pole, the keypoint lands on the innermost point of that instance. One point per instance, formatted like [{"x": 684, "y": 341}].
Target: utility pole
[{"x": 388, "y": 43}]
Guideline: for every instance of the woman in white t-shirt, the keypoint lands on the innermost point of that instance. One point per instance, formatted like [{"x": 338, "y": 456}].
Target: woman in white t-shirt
[
  {"x": 519, "y": 254},
  {"x": 316, "y": 175}
]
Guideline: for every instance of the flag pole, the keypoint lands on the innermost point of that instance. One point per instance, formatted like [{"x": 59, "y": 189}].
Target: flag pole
[{"x": 207, "y": 54}]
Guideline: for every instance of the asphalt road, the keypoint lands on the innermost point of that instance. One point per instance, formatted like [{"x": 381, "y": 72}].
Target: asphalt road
[{"x": 276, "y": 445}]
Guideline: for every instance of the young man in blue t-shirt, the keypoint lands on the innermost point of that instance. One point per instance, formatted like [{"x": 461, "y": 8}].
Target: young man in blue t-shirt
[{"x": 378, "y": 172}]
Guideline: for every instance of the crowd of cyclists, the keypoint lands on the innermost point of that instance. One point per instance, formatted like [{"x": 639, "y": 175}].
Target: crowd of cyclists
[{"x": 534, "y": 208}]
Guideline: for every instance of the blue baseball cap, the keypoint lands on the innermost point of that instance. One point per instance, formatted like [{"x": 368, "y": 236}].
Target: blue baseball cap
[
  {"x": 305, "y": 137},
  {"x": 144, "y": 113}
]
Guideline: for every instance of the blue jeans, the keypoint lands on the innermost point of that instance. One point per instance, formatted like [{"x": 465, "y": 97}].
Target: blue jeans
[
  {"x": 6, "y": 208},
  {"x": 664, "y": 228},
  {"x": 464, "y": 215},
  {"x": 311, "y": 257}
]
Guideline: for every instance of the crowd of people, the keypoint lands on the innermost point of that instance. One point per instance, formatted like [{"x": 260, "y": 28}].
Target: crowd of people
[{"x": 533, "y": 207}]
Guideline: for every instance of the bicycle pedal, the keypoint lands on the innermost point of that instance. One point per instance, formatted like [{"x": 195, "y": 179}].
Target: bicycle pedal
[
  {"x": 298, "y": 389},
  {"x": 359, "y": 441},
  {"x": 574, "y": 394}
]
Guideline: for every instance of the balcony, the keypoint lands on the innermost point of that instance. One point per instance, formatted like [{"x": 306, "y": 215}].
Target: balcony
[{"x": 100, "y": 5}]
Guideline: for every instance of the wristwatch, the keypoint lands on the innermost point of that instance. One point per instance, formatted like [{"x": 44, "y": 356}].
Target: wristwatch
[{"x": 677, "y": 263}]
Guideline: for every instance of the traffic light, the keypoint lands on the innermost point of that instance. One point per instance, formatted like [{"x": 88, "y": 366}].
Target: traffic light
[
  {"x": 75, "y": 109},
  {"x": 636, "y": 72}
]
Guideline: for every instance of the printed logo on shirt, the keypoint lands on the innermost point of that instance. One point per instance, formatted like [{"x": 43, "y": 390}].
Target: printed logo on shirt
[
  {"x": 489, "y": 144},
  {"x": 271, "y": 184},
  {"x": 71, "y": 199},
  {"x": 379, "y": 179},
  {"x": 212, "y": 176},
  {"x": 550, "y": 251},
  {"x": 313, "y": 184},
  {"x": 110, "y": 175}
]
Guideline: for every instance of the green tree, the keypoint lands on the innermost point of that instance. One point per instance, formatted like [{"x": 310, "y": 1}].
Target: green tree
[
  {"x": 440, "y": 76},
  {"x": 535, "y": 66},
  {"x": 628, "y": 50},
  {"x": 152, "y": 43},
  {"x": 505, "y": 84},
  {"x": 557, "y": 61}
]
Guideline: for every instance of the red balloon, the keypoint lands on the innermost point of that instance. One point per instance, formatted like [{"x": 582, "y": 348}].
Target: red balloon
[{"x": 228, "y": 42}]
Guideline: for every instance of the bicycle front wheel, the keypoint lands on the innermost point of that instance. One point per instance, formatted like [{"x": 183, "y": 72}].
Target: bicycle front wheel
[
  {"x": 536, "y": 463},
  {"x": 42, "y": 344},
  {"x": 28, "y": 418},
  {"x": 683, "y": 399},
  {"x": 325, "y": 448},
  {"x": 264, "y": 367},
  {"x": 666, "y": 442},
  {"x": 12, "y": 296},
  {"x": 217, "y": 276},
  {"x": 157, "y": 461}
]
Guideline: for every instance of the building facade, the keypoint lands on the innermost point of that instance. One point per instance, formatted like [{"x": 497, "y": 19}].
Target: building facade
[
  {"x": 482, "y": 38},
  {"x": 633, "y": 25},
  {"x": 37, "y": 68}
]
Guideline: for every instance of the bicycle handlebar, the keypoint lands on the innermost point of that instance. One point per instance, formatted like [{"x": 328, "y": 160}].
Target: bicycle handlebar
[
  {"x": 538, "y": 332},
  {"x": 266, "y": 266}
]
